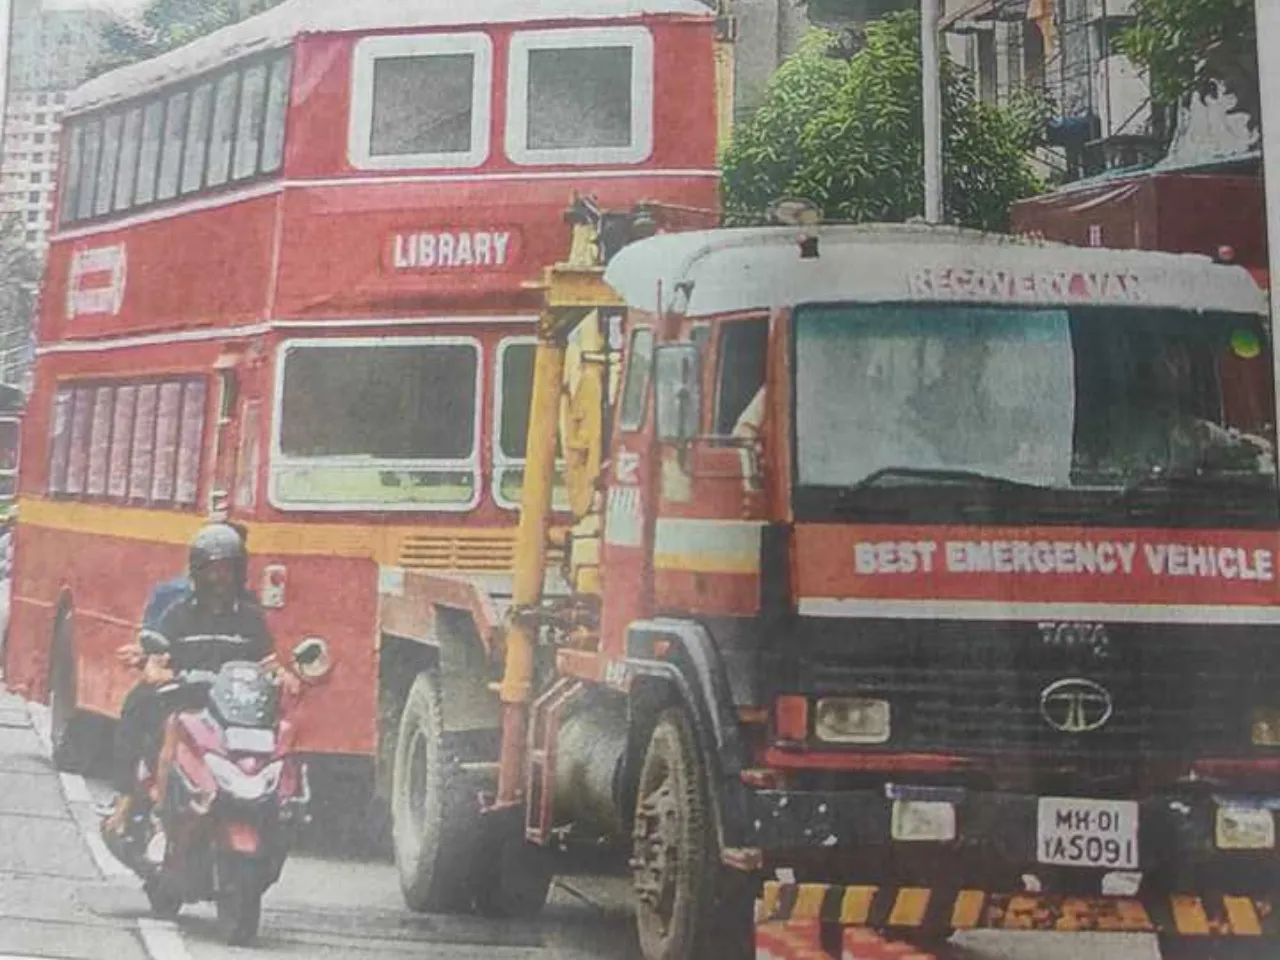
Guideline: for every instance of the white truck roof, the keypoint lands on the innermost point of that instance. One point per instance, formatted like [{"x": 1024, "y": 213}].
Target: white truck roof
[
  {"x": 717, "y": 271},
  {"x": 278, "y": 26}
]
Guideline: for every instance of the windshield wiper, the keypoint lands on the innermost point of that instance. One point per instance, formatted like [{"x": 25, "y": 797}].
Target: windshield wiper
[
  {"x": 1240, "y": 490},
  {"x": 970, "y": 478},
  {"x": 995, "y": 492}
]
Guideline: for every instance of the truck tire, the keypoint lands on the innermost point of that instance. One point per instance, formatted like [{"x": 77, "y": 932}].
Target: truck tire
[
  {"x": 239, "y": 901},
  {"x": 68, "y": 733},
  {"x": 682, "y": 911},
  {"x": 435, "y": 824}
]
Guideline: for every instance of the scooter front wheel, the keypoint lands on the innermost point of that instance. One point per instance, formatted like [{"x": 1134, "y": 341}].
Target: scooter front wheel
[
  {"x": 165, "y": 905},
  {"x": 239, "y": 902}
]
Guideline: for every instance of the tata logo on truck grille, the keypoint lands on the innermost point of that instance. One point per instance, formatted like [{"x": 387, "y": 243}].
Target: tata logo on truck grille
[{"x": 1075, "y": 705}]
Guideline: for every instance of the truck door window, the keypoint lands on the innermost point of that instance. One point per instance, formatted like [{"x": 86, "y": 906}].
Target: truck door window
[
  {"x": 740, "y": 370},
  {"x": 636, "y": 388}
]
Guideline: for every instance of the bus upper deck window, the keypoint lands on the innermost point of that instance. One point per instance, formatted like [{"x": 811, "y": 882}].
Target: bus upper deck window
[
  {"x": 420, "y": 101},
  {"x": 581, "y": 96}
]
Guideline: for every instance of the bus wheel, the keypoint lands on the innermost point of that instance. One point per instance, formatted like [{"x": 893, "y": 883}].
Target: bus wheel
[
  {"x": 434, "y": 821},
  {"x": 67, "y": 733},
  {"x": 676, "y": 873}
]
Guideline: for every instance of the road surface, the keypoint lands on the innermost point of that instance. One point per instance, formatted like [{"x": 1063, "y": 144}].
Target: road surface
[{"x": 62, "y": 896}]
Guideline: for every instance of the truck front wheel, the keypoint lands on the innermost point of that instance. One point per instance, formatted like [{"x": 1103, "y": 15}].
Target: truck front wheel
[
  {"x": 434, "y": 822},
  {"x": 677, "y": 875}
]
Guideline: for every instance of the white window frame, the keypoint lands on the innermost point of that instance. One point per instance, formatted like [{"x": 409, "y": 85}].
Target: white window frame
[
  {"x": 279, "y": 459},
  {"x": 502, "y": 462},
  {"x": 360, "y": 128},
  {"x": 639, "y": 39}
]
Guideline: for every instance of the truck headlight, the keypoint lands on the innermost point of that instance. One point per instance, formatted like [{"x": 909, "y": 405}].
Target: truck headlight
[
  {"x": 1266, "y": 727},
  {"x": 851, "y": 720}
]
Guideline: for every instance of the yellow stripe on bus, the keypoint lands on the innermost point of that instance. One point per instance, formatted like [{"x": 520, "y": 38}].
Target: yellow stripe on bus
[{"x": 381, "y": 544}]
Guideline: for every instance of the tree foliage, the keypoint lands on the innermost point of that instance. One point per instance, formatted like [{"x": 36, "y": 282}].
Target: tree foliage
[
  {"x": 846, "y": 131},
  {"x": 19, "y": 284},
  {"x": 163, "y": 25},
  {"x": 1197, "y": 48}
]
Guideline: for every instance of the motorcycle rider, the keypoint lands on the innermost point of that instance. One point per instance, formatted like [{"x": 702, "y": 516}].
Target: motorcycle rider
[
  {"x": 217, "y": 622},
  {"x": 165, "y": 594}
]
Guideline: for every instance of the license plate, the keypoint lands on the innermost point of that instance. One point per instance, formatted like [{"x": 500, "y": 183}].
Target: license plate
[{"x": 1087, "y": 833}]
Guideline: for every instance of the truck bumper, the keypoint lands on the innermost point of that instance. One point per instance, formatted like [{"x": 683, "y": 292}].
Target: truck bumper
[
  {"x": 849, "y": 835},
  {"x": 826, "y": 911}
]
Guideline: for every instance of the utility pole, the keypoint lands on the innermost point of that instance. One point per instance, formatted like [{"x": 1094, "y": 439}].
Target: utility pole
[
  {"x": 1268, "y": 14},
  {"x": 931, "y": 65}
]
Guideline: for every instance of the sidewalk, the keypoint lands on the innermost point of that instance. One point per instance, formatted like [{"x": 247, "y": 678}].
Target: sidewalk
[{"x": 49, "y": 878}]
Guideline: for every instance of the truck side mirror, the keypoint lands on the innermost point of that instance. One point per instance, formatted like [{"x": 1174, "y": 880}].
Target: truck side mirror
[{"x": 678, "y": 376}]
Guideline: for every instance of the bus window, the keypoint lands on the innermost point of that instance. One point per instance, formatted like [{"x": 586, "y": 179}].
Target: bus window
[
  {"x": 71, "y": 172},
  {"x": 168, "y": 413},
  {"x": 60, "y": 440},
  {"x": 144, "y": 438},
  {"x": 378, "y": 425},
  {"x": 9, "y": 442},
  {"x": 149, "y": 152},
  {"x": 581, "y": 96},
  {"x": 107, "y": 167},
  {"x": 223, "y": 130},
  {"x": 197, "y": 140},
  {"x": 99, "y": 442},
  {"x": 253, "y": 92},
  {"x": 121, "y": 443},
  {"x": 513, "y": 391},
  {"x": 89, "y": 170},
  {"x": 246, "y": 495},
  {"x": 190, "y": 439},
  {"x": 421, "y": 101},
  {"x": 127, "y": 168},
  {"x": 277, "y": 108},
  {"x": 175, "y": 125},
  {"x": 81, "y": 423}
]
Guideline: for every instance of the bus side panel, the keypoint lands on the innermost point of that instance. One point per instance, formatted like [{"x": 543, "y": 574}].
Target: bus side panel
[
  {"x": 334, "y": 597},
  {"x": 219, "y": 260},
  {"x": 104, "y": 580}
]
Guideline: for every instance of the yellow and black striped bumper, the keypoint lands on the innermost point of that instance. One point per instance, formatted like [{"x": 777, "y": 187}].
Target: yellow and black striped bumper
[{"x": 924, "y": 909}]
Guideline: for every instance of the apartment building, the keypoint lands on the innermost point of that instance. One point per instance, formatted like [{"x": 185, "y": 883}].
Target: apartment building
[{"x": 50, "y": 53}]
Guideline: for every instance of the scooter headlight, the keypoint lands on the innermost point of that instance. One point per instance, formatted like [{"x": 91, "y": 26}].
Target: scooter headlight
[{"x": 241, "y": 785}]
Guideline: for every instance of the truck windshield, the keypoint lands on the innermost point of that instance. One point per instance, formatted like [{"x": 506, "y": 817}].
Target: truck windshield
[{"x": 1115, "y": 415}]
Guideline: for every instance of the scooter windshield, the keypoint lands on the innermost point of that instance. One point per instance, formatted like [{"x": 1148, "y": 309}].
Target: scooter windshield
[{"x": 244, "y": 695}]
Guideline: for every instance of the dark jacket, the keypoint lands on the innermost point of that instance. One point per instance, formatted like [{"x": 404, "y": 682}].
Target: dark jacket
[{"x": 199, "y": 639}]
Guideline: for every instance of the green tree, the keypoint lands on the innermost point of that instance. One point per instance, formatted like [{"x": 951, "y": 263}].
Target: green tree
[
  {"x": 19, "y": 285},
  {"x": 1197, "y": 48},
  {"x": 845, "y": 130},
  {"x": 163, "y": 25}
]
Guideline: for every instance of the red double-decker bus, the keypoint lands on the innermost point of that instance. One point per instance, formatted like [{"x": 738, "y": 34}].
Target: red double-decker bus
[{"x": 290, "y": 285}]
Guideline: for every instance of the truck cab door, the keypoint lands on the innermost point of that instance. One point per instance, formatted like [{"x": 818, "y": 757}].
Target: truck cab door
[{"x": 627, "y": 550}]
